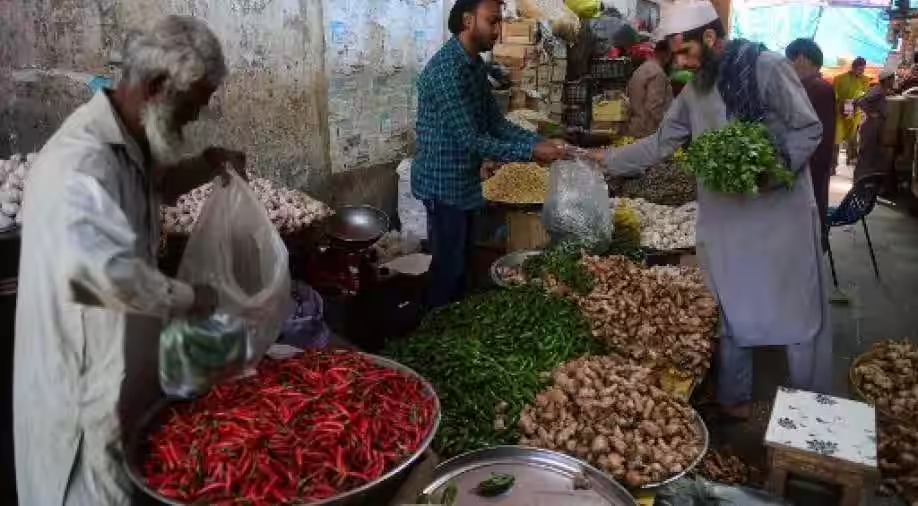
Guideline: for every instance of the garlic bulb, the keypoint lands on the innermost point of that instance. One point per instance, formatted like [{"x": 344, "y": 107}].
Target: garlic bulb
[
  {"x": 289, "y": 210},
  {"x": 664, "y": 227},
  {"x": 13, "y": 176}
]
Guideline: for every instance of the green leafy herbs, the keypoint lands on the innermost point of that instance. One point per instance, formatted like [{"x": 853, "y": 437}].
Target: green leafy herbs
[
  {"x": 739, "y": 158},
  {"x": 563, "y": 263},
  {"x": 484, "y": 356}
]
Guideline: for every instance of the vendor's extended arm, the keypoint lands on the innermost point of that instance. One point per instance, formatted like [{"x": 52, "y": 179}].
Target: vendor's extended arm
[
  {"x": 453, "y": 103},
  {"x": 100, "y": 266},
  {"x": 633, "y": 159},
  {"x": 802, "y": 130}
]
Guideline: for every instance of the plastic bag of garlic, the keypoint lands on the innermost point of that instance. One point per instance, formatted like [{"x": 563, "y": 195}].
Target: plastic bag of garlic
[
  {"x": 13, "y": 174},
  {"x": 291, "y": 211}
]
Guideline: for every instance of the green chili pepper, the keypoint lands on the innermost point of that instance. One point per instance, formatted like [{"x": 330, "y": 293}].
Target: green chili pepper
[
  {"x": 496, "y": 485},
  {"x": 449, "y": 495}
]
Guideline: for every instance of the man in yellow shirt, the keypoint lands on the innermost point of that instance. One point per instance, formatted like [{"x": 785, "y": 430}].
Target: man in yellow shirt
[{"x": 849, "y": 87}]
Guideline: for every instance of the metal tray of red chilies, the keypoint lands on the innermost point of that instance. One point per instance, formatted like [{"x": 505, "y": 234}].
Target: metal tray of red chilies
[{"x": 375, "y": 492}]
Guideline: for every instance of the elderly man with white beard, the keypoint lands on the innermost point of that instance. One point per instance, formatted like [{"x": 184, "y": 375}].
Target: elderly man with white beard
[{"x": 91, "y": 299}]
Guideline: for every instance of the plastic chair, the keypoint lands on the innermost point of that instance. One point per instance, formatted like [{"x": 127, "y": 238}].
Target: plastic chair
[{"x": 857, "y": 204}]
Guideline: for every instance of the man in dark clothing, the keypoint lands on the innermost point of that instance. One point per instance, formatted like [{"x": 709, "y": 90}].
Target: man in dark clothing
[{"x": 806, "y": 57}]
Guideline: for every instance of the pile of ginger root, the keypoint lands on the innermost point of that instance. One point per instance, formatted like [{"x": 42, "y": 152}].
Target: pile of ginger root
[
  {"x": 654, "y": 315},
  {"x": 607, "y": 411},
  {"x": 889, "y": 378}
]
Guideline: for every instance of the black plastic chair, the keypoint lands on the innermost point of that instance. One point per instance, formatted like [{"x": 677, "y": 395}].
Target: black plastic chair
[{"x": 857, "y": 204}]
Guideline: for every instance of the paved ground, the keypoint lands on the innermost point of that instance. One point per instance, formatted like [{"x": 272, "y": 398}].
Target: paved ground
[{"x": 880, "y": 309}]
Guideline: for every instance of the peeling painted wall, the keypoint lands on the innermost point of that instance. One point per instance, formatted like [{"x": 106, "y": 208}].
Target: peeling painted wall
[
  {"x": 273, "y": 104},
  {"x": 374, "y": 52}
]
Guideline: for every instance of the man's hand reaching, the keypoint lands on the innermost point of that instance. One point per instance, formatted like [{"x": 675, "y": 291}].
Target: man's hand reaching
[
  {"x": 548, "y": 151},
  {"x": 221, "y": 160}
]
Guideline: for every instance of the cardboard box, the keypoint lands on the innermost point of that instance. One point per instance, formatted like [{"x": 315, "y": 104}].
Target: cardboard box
[
  {"x": 525, "y": 78},
  {"x": 515, "y": 56},
  {"x": 519, "y": 31},
  {"x": 518, "y": 99},
  {"x": 556, "y": 93},
  {"x": 609, "y": 110}
]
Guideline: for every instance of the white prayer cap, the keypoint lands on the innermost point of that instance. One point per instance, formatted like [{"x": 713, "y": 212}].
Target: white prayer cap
[
  {"x": 886, "y": 74},
  {"x": 684, "y": 16}
]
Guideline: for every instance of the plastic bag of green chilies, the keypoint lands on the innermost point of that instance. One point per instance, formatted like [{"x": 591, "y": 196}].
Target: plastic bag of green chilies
[{"x": 195, "y": 354}]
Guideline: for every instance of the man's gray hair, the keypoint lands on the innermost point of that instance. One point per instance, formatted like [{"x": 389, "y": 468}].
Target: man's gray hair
[{"x": 180, "y": 49}]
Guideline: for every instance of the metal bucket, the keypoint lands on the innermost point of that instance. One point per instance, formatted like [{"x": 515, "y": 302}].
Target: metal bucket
[{"x": 379, "y": 491}]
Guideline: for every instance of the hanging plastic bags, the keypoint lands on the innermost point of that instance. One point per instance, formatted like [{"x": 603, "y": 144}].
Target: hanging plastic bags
[
  {"x": 235, "y": 249},
  {"x": 577, "y": 205},
  {"x": 305, "y": 328},
  {"x": 584, "y": 9}
]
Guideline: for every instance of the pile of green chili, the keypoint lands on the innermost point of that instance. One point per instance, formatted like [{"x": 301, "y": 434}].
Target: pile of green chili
[{"x": 487, "y": 350}]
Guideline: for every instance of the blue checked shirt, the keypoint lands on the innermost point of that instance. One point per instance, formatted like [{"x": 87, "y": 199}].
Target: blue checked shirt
[{"x": 459, "y": 126}]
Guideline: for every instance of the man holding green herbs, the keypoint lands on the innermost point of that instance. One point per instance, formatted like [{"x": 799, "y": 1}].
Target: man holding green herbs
[{"x": 760, "y": 252}]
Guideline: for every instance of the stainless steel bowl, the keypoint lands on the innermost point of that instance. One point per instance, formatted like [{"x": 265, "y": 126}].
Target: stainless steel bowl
[
  {"x": 537, "y": 473},
  {"x": 514, "y": 259},
  {"x": 378, "y": 491},
  {"x": 705, "y": 441}
]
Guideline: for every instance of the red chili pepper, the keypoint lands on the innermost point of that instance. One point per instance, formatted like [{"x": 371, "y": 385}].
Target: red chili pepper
[{"x": 303, "y": 429}]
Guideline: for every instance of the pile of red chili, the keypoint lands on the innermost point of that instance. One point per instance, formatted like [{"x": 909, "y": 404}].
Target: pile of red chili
[{"x": 303, "y": 429}]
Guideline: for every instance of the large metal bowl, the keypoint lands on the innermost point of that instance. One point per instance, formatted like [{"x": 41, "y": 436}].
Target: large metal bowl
[
  {"x": 706, "y": 442},
  {"x": 357, "y": 227},
  {"x": 378, "y": 491}
]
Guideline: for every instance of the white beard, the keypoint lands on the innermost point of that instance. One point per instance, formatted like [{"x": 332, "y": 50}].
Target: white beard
[{"x": 167, "y": 144}]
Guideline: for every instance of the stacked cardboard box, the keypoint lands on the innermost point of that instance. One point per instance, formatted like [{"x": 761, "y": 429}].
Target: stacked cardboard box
[{"x": 536, "y": 77}]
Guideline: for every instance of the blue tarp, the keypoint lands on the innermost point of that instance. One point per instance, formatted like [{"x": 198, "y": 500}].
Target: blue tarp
[{"x": 841, "y": 32}]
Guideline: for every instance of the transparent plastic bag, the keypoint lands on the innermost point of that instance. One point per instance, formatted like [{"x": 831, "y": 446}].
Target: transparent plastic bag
[
  {"x": 235, "y": 249},
  {"x": 411, "y": 211},
  {"x": 195, "y": 354},
  {"x": 577, "y": 205},
  {"x": 700, "y": 492}
]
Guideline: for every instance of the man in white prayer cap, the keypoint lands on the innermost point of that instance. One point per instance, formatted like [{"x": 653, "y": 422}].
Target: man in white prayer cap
[{"x": 760, "y": 253}]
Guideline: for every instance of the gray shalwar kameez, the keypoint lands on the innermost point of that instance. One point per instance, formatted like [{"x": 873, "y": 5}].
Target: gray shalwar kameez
[{"x": 760, "y": 254}]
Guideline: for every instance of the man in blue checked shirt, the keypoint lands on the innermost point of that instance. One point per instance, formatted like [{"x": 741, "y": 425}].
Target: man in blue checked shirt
[{"x": 459, "y": 126}]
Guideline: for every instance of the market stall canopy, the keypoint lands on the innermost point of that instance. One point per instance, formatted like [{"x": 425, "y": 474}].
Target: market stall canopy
[{"x": 842, "y": 32}]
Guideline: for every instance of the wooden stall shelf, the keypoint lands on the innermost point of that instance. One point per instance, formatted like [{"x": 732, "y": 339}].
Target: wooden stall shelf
[{"x": 524, "y": 231}]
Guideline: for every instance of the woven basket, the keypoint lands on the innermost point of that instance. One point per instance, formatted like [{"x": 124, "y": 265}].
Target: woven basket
[{"x": 854, "y": 383}]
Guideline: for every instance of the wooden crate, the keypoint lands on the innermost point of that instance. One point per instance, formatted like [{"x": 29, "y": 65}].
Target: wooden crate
[
  {"x": 519, "y": 31},
  {"x": 524, "y": 231}
]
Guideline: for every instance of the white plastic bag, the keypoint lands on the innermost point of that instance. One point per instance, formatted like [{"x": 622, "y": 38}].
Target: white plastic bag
[
  {"x": 235, "y": 249},
  {"x": 411, "y": 211},
  {"x": 577, "y": 205}
]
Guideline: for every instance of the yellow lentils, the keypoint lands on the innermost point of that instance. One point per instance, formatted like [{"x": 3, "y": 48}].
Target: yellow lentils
[{"x": 517, "y": 183}]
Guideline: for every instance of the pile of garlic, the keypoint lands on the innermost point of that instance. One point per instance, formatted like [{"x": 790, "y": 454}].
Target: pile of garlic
[
  {"x": 13, "y": 173},
  {"x": 663, "y": 227},
  {"x": 290, "y": 210}
]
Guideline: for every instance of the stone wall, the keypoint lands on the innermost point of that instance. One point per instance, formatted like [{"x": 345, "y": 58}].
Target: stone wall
[{"x": 273, "y": 104}]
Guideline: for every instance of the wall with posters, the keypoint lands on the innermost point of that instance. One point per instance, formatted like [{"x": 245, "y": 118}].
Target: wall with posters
[{"x": 374, "y": 51}]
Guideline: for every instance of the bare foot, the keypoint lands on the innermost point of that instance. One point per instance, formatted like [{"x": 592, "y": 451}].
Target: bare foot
[{"x": 739, "y": 411}]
